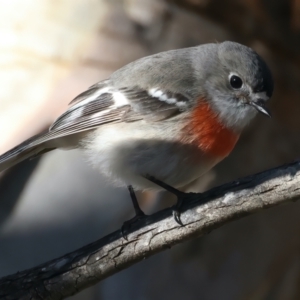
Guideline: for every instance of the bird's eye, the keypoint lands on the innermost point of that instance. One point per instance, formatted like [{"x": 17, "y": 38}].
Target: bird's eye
[{"x": 236, "y": 82}]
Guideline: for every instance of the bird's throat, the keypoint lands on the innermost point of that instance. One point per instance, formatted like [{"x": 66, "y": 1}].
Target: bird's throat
[{"x": 206, "y": 131}]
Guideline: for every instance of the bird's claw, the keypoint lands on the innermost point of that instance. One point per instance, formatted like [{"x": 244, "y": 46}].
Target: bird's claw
[
  {"x": 176, "y": 215},
  {"x": 127, "y": 224},
  {"x": 179, "y": 194}
]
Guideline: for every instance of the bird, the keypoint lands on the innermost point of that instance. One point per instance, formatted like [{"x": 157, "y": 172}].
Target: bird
[{"x": 162, "y": 121}]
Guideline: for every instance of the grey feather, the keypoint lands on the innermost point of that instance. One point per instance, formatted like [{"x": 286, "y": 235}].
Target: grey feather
[
  {"x": 144, "y": 106},
  {"x": 90, "y": 91},
  {"x": 76, "y": 115}
]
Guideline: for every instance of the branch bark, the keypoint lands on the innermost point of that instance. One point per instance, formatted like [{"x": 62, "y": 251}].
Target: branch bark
[{"x": 73, "y": 272}]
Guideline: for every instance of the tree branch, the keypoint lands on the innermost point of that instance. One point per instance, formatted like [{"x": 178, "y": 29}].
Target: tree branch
[{"x": 82, "y": 268}]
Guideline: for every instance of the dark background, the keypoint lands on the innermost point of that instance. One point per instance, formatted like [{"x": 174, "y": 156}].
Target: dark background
[{"x": 52, "y": 50}]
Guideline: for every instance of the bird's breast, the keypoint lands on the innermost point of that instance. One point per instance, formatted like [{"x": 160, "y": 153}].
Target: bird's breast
[{"x": 205, "y": 130}]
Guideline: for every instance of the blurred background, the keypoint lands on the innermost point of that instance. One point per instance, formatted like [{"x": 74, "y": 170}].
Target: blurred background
[{"x": 52, "y": 50}]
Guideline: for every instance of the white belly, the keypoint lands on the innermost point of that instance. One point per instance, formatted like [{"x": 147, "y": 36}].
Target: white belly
[{"x": 125, "y": 154}]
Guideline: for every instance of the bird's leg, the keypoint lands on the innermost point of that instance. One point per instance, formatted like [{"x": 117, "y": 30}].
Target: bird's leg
[
  {"x": 180, "y": 197},
  {"x": 139, "y": 214}
]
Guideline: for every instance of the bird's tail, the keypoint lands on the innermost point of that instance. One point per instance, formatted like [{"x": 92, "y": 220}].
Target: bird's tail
[{"x": 32, "y": 147}]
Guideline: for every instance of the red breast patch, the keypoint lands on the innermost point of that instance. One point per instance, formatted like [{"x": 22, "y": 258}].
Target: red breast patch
[{"x": 207, "y": 132}]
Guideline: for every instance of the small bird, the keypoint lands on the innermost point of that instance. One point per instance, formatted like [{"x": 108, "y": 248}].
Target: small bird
[{"x": 161, "y": 121}]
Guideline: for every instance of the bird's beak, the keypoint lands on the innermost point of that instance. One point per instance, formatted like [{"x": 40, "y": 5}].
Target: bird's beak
[{"x": 259, "y": 105}]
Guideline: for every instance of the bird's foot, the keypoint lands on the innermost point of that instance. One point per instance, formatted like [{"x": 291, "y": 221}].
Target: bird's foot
[
  {"x": 181, "y": 196},
  {"x": 127, "y": 224}
]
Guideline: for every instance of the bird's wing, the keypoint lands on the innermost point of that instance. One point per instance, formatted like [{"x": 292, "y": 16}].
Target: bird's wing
[{"x": 102, "y": 104}]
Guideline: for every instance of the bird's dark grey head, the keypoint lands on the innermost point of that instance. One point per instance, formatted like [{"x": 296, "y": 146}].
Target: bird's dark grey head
[
  {"x": 248, "y": 65},
  {"x": 240, "y": 84}
]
